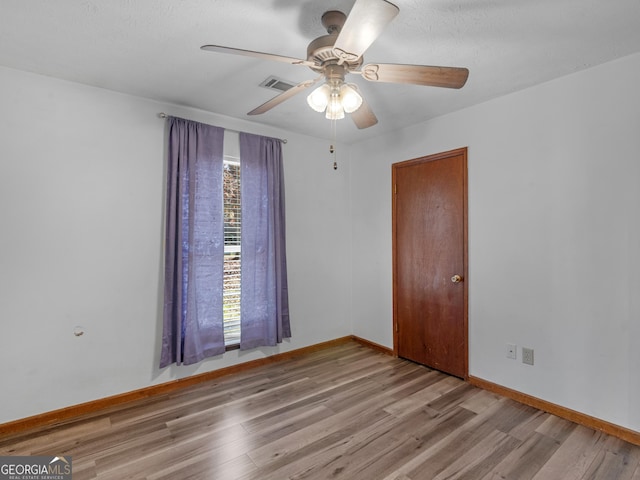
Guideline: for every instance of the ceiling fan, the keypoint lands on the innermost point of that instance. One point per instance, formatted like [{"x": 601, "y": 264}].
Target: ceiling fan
[{"x": 339, "y": 53}]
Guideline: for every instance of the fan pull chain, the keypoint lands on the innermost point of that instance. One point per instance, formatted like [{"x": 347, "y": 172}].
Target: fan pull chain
[{"x": 332, "y": 149}]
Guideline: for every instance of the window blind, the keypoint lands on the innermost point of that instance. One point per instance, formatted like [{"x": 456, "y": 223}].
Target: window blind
[{"x": 232, "y": 254}]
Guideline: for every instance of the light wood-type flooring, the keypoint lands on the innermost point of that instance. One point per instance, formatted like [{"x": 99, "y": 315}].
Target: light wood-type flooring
[{"x": 346, "y": 412}]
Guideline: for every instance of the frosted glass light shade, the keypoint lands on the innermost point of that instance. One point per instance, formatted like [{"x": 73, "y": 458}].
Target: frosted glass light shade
[
  {"x": 351, "y": 99},
  {"x": 319, "y": 98},
  {"x": 334, "y": 108}
]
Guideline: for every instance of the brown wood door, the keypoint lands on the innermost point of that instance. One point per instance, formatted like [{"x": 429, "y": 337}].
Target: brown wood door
[{"x": 429, "y": 250}]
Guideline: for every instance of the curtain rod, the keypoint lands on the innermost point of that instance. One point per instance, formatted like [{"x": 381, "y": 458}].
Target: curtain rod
[{"x": 164, "y": 115}]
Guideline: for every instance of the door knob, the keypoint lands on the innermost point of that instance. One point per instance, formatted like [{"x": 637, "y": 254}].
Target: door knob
[{"x": 456, "y": 279}]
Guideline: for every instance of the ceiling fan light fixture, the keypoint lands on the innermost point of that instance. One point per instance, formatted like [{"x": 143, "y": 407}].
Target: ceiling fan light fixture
[
  {"x": 351, "y": 99},
  {"x": 335, "y": 100},
  {"x": 319, "y": 98}
]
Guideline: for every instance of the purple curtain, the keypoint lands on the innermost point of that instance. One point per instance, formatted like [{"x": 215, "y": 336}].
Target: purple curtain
[
  {"x": 194, "y": 244},
  {"x": 264, "y": 301}
]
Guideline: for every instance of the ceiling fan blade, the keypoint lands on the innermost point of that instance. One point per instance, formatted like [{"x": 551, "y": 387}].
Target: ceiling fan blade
[
  {"x": 261, "y": 55},
  {"x": 448, "y": 77},
  {"x": 278, "y": 99},
  {"x": 364, "y": 117},
  {"x": 364, "y": 24}
]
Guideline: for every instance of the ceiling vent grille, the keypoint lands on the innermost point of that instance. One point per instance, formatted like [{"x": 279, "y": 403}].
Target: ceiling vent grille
[{"x": 275, "y": 83}]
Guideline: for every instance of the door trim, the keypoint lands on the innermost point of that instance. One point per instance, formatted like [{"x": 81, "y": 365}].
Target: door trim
[{"x": 429, "y": 158}]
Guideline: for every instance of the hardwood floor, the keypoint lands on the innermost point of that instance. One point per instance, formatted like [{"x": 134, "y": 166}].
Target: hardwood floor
[{"x": 347, "y": 412}]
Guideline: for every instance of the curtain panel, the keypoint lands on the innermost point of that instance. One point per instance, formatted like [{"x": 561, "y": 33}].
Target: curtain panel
[
  {"x": 194, "y": 244},
  {"x": 264, "y": 301}
]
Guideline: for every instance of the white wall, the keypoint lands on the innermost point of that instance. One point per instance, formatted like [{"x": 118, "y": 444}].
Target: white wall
[
  {"x": 554, "y": 236},
  {"x": 81, "y": 215}
]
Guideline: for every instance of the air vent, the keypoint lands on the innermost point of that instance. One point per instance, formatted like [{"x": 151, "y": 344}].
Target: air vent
[{"x": 275, "y": 83}]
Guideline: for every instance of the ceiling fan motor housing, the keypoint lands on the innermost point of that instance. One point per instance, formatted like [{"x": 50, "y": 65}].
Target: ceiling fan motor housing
[{"x": 320, "y": 51}]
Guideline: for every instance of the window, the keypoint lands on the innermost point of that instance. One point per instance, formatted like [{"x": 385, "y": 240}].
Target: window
[{"x": 232, "y": 254}]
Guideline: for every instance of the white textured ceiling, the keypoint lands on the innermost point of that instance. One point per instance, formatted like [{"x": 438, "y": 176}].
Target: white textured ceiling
[{"x": 151, "y": 48}]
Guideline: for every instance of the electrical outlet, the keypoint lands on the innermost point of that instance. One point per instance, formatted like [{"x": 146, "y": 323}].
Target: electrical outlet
[
  {"x": 527, "y": 355},
  {"x": 512, "y": 351}
]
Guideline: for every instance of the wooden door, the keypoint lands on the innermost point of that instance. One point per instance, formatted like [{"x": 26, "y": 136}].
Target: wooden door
[{"x": 429, "y": 261}]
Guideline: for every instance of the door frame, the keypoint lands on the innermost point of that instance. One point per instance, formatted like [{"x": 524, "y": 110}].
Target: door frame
[{"x": 407, "y": 163}]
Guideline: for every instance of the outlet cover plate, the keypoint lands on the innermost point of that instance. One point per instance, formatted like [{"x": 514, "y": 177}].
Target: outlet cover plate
[
  {"x": 512, "y": 351},
  {"x": 527, "y": 355}
]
